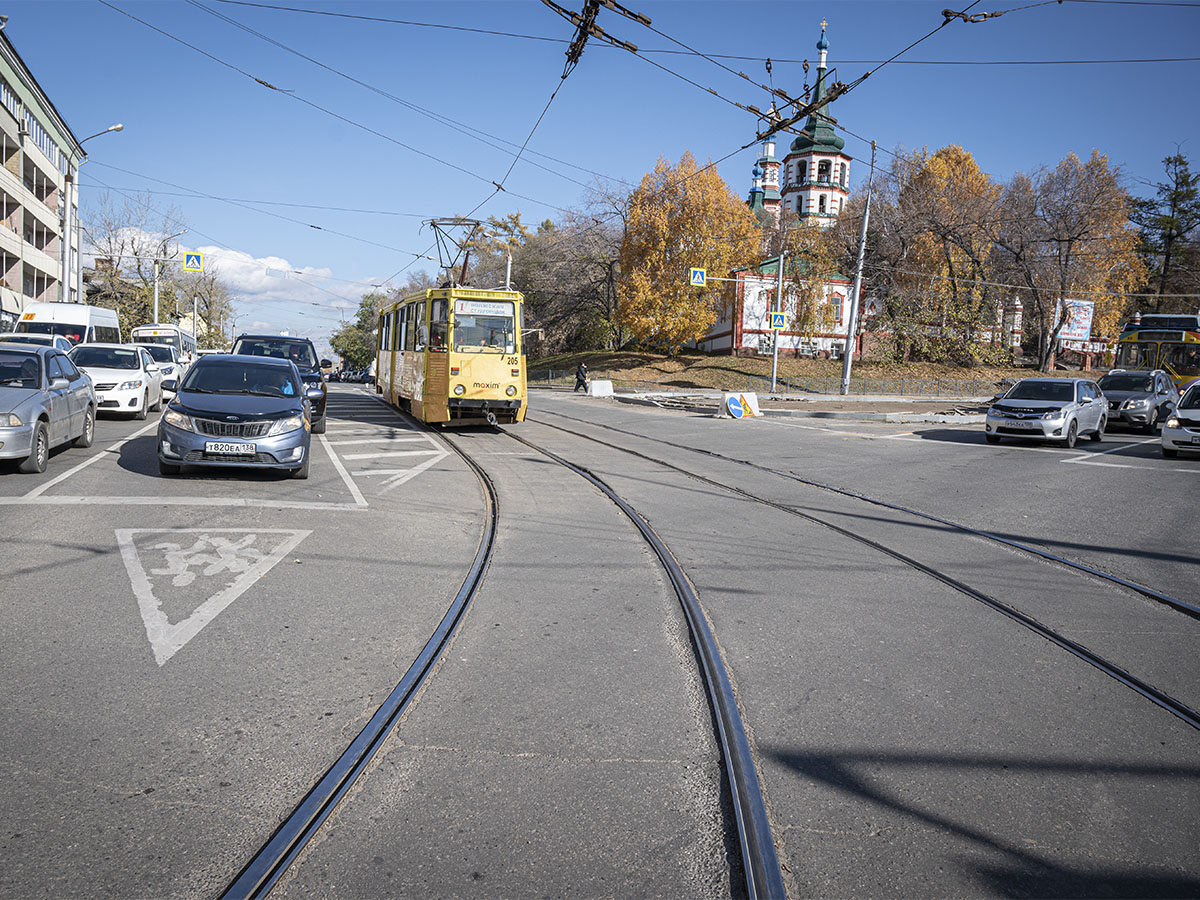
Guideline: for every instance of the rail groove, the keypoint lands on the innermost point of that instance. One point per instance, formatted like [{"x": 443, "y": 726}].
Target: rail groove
[
  {"x": 1190, "y": 609},
  {"x": 1148, "y": 691},
  {"x": 760, "y": 862},
  {"x": 263, "y": 871}
]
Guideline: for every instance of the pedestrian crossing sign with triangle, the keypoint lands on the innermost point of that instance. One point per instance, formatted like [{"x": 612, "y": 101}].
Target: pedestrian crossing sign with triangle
[{"x": 193, "y": 262}]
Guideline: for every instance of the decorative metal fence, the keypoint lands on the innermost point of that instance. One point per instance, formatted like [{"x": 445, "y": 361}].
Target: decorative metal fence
[{"x": 904, "y": 387}]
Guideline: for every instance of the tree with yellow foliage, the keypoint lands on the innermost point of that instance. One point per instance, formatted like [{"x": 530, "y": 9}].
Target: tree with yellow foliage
[{"x": 680, "y": 217}]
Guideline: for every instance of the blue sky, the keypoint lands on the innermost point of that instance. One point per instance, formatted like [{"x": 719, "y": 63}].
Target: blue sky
[{"x": 194, "y": 126}]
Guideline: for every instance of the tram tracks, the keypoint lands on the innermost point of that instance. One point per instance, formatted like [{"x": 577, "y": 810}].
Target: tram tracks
[
  {"x": 760, "y": 865},
  {"x": 1148, "y": 691}
]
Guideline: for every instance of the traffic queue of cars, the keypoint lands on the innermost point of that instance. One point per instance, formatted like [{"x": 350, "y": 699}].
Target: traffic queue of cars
[
  {"x": 257, "y": 407},
  {"x": 1064, "y": 409}
]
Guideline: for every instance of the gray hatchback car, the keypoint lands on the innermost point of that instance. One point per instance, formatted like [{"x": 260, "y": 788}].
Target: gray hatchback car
[{"x": 1048, "y": 409}]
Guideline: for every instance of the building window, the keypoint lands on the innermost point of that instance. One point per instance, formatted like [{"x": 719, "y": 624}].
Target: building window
[
  {"x": 824, "y": 167},
  {"x": 821, "y": 205},
  {"x": 803, "y": 170},
  {"x": 842, "y": 174}
]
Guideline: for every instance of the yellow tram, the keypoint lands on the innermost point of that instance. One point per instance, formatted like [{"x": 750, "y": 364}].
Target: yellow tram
[{"x": 454, "y": 355}]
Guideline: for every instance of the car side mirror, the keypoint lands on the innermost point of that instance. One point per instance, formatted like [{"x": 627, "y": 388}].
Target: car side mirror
[
  {"x": 59, "y": 384},
  {"x": 171, "y": 385},
  {"x": 326, "y": 364},
  {"x": 313, "y": 394},
  {"x": 999, "y": 396},
  {"x": 152, "y": 368}
]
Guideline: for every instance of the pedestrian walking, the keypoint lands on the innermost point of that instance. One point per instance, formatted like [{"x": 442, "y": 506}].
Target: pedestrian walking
[{"x": 581, "y": 378}]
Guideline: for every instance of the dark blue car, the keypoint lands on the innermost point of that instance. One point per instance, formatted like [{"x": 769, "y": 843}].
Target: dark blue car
[{"x": 238, "y": 411}]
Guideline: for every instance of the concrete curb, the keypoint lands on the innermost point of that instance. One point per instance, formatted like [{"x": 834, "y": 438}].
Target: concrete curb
[{"x": 705, "y": 402}]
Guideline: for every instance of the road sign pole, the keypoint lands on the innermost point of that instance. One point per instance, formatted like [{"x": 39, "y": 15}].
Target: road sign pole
[{"x": 779, "y": 303}]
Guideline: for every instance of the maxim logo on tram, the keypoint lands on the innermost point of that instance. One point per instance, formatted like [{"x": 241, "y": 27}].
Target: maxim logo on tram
[{"x": 487, "y": 385}]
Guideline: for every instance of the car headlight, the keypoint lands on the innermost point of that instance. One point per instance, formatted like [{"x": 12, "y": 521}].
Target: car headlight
[
  {"x": 459, "y": 390},
  {"x": 1136, "y": 404},
  {"x": 511, "y": 390},
  {"x": 129, "y": 385},
  {"x": 178, "y": 420},
  {"x": 11, "y": 420},
  {"x": 1172, "y": 422},
  {"x": 283, "y": 426},
  {"x": 1053, "y": 414}
]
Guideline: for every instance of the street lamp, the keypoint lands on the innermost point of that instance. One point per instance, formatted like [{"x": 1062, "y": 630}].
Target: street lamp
[
  {"x": 162, "y": 246},
  {"x": 68, "y": 224}
]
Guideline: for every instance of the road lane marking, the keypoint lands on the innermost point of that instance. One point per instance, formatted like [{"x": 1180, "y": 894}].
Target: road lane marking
[
  {"x": 399, "y": 479},
  {"x": 381, "y": 454},
  {"x": 228, "y": 555},
  {"x": 257, "y": 503},
  {"x": 1117, "y": 449},
  {"x": 379, "y": 440},
  {"x": 112, "y": 448},
  {"x": 359, "y": 499}
]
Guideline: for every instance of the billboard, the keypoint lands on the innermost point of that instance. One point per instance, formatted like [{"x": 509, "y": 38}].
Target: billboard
[{"x": 1078, "y": 324}]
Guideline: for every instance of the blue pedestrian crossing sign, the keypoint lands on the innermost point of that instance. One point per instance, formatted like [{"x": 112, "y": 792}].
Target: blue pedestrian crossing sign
[
  {"x": 193, "y": 262},
  {"x": 698, "y": 276},
  {"x": 777, "y": 321}
]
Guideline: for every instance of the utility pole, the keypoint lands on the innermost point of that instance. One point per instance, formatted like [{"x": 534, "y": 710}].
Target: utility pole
[
  {"x": 852, "y": 325},
  {"x": 780, "y": 304}
]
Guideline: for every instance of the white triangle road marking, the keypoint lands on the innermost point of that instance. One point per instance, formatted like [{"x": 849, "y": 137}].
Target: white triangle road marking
[{"x": 198, "y": 553}]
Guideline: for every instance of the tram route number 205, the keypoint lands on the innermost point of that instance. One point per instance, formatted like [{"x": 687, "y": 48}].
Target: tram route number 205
[{"x": 512, "y": 360}]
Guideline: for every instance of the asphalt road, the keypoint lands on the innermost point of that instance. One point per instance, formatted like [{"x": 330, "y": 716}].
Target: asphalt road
[{"x": 186, "y": 656}]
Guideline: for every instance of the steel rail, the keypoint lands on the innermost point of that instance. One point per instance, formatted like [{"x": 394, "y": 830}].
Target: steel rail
[
  {"x": 1190, "y": 609},
  {"x": 764, "y": 878},
  {"x": 1159, "y": 697},
  {"x": 268, "y": 865}
]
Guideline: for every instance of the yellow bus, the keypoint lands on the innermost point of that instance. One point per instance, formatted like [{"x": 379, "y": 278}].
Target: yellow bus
[{"x": 454, "y": 355}]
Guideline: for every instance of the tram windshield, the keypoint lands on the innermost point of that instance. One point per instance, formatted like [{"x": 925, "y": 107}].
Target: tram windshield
[
  {"x": 1137, "y": 356},
  {"x": 484, "y": 327}
]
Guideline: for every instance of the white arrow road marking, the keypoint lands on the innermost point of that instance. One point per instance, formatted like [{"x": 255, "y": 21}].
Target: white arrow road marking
[{"x": 189, "y": 554}]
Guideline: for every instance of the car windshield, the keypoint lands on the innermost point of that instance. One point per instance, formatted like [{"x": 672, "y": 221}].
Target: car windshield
[
  {"x": 159, "y": 353},
  {"x": 298, "y": 352},
  {"x": 105, "y": 357},
  {"x": 1058, "y": 391},
  {"x": 1191, "y": 400},
  {"x": 73, "y": 333},
  {"x": 19, "y": 369},
  {"x": 241, "y": 378},
  {"x": 1126, "y": 383}
]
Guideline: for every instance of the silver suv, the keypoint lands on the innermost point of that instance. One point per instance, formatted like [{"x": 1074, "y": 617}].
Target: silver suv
[
  {"x": 1048, "y": 409},
  {"x": 1139, "y": 398}
]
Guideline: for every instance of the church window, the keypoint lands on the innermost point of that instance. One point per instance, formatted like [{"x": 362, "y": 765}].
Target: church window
[
  {"x": 803, "y": 170},
  {"x": 821, "y": 205},
  {"x": 823, "y": 169},
  {"x": 842, "y": 174}
]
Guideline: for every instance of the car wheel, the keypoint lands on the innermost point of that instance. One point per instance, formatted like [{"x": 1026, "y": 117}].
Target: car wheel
[
  {"x": 1170, "y": 452},
  {"x": 166, "y": 468},
  {"x": 1154, "y": 426},
  {"x": 1098, "y": 434},
  {"x": 992, "y": 438},
  {"x": 141, "y": 413},
  {"x": 302, "y": 472},
  {"x": 39, "y": 452},
  {"x": 1072, "y": 434},
  {"x": 89, "y": 429},
  {"x": 318, "y": 425},
  {"x": 158, "y": 405}
]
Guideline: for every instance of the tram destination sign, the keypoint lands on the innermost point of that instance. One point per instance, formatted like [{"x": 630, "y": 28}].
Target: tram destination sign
[{"x": 483, "y": 307}]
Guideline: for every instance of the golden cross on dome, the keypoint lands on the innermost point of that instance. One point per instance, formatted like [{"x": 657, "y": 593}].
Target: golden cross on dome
[{"x": 823, "y": 25}]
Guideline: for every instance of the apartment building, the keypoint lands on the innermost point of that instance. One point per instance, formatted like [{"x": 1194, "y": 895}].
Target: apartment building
[{"x": 39, "y": 157}]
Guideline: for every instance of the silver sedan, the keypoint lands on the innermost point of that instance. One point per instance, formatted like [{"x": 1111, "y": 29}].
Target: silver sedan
[
  {"x": 44, "y": 401},
  {"x": 1048, "y": 409}
]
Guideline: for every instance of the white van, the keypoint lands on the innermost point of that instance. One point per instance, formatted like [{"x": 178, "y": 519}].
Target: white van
[{"x": 77, "y": 322}]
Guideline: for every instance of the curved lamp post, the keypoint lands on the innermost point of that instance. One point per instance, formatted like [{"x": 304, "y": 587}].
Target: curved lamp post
[{"x": 71, "y": 272}]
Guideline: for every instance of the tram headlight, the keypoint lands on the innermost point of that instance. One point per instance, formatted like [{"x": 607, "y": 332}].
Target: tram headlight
[
  {"x": 459, "y": 390},
  {"x": 511, "y": 390}
]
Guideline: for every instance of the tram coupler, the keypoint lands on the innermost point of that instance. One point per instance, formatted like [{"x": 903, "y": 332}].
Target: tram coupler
[{"x": 491, "y": 419}]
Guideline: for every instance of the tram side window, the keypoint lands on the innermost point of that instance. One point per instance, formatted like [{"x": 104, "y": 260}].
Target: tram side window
[
  {"x": 385, "y": 332},
  {"x": 1184, "y": 359},
  {"x": 413, "y": 339},
  {"x": 439, "y": 325}
]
